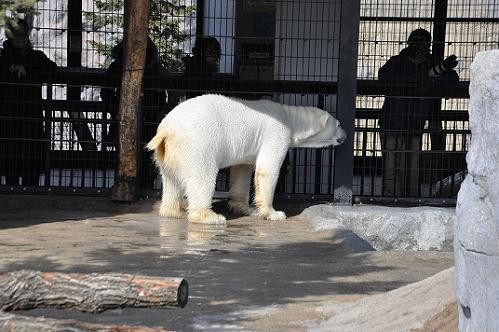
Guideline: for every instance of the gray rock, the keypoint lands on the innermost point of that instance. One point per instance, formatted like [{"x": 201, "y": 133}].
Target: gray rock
[
  {"x": 476, "y": 245},
  {"x": 388, "y": 228}
]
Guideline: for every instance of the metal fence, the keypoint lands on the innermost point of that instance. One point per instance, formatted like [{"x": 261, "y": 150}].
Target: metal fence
[
  {"x": 288, "y": 51},
  {"x": 296, "y": 52},
  {"x": 417, "y": 153}
]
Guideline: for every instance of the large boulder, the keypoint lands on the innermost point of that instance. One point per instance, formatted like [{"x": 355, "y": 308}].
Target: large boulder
[{"x": 476, "y": 243}]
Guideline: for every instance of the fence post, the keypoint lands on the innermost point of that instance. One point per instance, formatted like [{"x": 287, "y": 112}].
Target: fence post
[
  {"x": 75, "y": 46},
  {"x": 136, "y": 28},
  {"x": 347, "y": 92}
]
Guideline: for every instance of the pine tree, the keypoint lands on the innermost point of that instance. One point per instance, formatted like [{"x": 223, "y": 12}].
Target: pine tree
[
  {"x": 12, "y": 8},
  {"x": 166, "y": 19}
]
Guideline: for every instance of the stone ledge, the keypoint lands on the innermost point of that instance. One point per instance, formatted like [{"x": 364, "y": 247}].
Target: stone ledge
[{"x": 388, "y": 228}]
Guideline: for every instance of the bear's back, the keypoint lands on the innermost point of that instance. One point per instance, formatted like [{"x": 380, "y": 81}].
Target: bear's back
[{"x": 218, "y": 112}]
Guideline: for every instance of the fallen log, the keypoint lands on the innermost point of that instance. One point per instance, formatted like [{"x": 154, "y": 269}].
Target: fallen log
[
  {"x": 13, "y": 323},
  {"x": 96, "y": 292}
]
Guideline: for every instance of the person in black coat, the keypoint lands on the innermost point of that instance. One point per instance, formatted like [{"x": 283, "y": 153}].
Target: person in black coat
[
  {"x": 205, "y": 59},
  {"x": 23, "y": 136},
  {"x": 204, "y": 62},
  {"x": 403, "y": 117}
]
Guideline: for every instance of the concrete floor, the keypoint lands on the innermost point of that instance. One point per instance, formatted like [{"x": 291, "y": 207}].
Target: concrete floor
[{"x": 247, "y": 275}]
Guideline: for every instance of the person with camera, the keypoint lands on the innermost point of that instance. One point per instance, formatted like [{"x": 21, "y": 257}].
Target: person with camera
[{"x": 416, "y": 73}]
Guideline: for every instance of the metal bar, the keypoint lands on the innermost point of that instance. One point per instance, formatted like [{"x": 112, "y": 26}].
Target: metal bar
[
  {"x": 74, "y": 46},
  {"x": 319, "y": 153},
  {"x": 200, "y": 12},
  {"x": 429, "y": 19},
  {"x": 226, "y": 83},
  {"x": 347, "y": 90},
  {"x": 295, "y": 177},
  {"x": 48, "y": 134},
  {"x": 438, "y": 51},
  {"x": 395, "y": 19},
  {"x": 55, "y": 190},
  {"x": 364, "y": 150},
  {"x": 439, "y": 27},
  {"x": 443, "y": 116}
]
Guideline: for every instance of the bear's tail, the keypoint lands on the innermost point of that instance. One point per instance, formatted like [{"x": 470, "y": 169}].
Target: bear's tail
[{"x": 157, "y": 144}]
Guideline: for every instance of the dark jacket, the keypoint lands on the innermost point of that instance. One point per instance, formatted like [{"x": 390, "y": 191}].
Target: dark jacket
[
  {"x": 403, "y": 112},
  {"x": 22, "y": 132}
]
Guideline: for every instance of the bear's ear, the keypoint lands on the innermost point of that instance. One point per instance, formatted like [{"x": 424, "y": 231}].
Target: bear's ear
[
  {"x": 323, "y": 118},
  {"x": 313, "y": 127}
]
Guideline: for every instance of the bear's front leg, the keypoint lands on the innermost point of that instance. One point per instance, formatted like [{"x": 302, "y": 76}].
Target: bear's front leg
[{"x": 266, "y": 174}]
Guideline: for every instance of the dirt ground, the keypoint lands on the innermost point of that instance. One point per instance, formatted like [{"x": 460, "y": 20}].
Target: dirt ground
[{"x": 248, "y": 275}]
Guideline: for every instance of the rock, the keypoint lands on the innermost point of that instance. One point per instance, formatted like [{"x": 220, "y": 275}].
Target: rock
[
  {"x": 388, "y": 228},
  {"x": 476, "y": 243},
  {"x": 427, "y": 305}
]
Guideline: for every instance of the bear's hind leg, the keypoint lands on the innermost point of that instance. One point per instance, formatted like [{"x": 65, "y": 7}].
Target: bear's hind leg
[
  {"x": 240, "y": 182},
  {"x": 200, "y": 188},
  {"x": 171, "y": 203}
]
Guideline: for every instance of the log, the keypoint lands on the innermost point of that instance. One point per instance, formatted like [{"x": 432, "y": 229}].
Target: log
[
  {"x": 96, "y": 292},
  {"x": 14, "y": 323},
  {"x": 137, "y": 18}
]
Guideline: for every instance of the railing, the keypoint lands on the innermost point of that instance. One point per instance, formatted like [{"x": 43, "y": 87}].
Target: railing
[
  {"x": 87, "y": 165},
  {"x": 440, "y": 171}
]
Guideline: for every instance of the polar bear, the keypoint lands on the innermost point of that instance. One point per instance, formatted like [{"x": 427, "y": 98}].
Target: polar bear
[{"x": 207, "y": 133}]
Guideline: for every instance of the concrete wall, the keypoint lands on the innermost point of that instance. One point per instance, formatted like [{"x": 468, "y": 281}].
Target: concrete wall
[{"x": 476, "y": 238}]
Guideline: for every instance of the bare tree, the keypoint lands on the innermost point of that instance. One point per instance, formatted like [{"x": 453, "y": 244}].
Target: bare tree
[{"x": 136, "y": 28}]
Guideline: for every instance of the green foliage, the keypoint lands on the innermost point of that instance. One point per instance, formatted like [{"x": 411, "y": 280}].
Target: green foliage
[
  {"x": 12, "y": 8},
  {"x": 166, "y": 18}
]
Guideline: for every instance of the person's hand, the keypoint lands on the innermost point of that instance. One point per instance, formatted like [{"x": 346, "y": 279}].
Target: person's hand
[
  {"x": 17, "y": 70},
  {"x": 450, "y": 62}
]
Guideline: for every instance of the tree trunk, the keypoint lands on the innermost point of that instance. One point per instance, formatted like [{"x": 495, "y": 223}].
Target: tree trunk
[
  {"x": 14, "y": 323},
  {"x": 94, "y": 292},
  {"x": 125, "y": 188}
]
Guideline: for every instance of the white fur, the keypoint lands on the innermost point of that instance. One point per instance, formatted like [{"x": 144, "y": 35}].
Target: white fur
[{"x": 207, "y": 133}]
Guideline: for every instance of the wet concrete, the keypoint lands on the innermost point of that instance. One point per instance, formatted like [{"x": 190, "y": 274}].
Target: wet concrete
[{"x": 246, "y": 275}]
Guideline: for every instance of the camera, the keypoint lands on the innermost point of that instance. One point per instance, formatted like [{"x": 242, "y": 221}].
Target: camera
[{"x": 443, "y": 67}]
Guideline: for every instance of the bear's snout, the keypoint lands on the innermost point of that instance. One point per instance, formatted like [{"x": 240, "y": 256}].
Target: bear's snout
[{"x": 342, "y": 136}]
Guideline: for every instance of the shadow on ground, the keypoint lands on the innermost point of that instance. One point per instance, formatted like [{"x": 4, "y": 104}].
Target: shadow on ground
[
  {"x": 27, "y": 210},
  {"x": 243, "y": 265}
]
